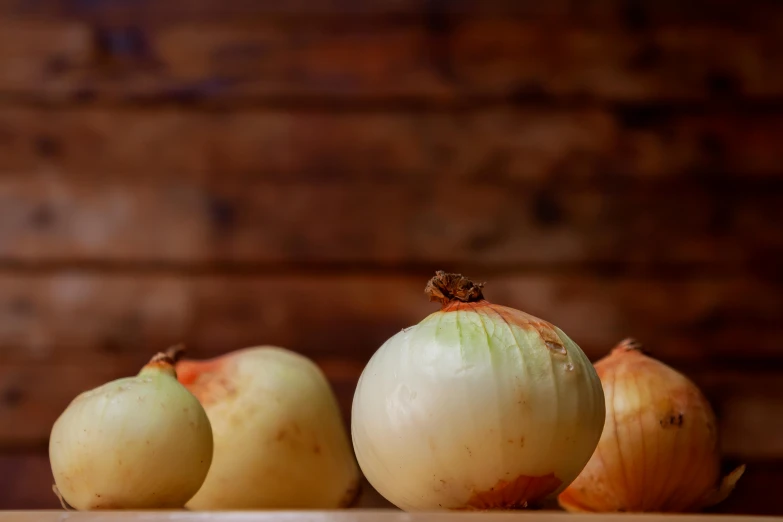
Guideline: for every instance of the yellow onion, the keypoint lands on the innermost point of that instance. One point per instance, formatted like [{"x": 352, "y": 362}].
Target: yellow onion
[
  {"x": 478, "y": 406},
  {"x": 140, "y": 442},
  {"x": 280, "y": 441},
  {"x": 659, "y": 448}
]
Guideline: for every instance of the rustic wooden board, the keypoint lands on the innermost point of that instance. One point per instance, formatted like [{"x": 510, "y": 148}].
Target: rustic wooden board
[
  {"x": 507, "y": 144},
  {"x": 441, "y": 60},
  {"x": 318, "y": 145},
  {"x": 717, "y": 226},
  {"x": 26, "y": 482},
  {"x": 634, "y": 15},
  {"x": 65, "y": 333},
  {"x": 79, "y": 318}
]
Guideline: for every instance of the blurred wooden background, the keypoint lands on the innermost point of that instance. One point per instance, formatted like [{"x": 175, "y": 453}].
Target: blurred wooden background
[{"x": 233, "y": 172}]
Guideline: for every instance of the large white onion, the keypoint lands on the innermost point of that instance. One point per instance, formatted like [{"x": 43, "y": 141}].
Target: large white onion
[{"x": 477, "y": 406}]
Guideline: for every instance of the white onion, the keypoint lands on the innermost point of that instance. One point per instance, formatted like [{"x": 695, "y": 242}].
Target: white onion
[
  {"x": 280, "y": 441},
  {"x": 478, "y": 406},
  {"x": 140, "y": 442}
]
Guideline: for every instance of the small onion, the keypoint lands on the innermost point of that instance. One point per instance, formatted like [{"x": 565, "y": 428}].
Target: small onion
[
  {"x": 659, "y": 449},
  {"x": 140, "y": 442},
  {"x": 478, "y": 406},
  {"x": 280, "y": 440}
]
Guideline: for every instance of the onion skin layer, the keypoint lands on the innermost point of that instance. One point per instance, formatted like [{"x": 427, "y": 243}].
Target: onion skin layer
[
  {"x": 659, "y": 451},
  {"x": 478, "y": 406},
  {"x": 280, "y": 441},
  {"x": 140, "y": 442}
]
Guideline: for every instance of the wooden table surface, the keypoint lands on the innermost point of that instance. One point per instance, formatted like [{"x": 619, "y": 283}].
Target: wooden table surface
[{"x": 379, "y": 515}]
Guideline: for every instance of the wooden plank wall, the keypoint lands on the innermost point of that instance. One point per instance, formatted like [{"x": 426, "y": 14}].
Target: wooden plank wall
[{"x": 229, "y": 173}]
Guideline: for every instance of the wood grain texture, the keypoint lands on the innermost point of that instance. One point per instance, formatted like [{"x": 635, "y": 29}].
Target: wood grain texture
[
  {"x": 345, "y": 59},
  {"x": 117, "y": 320},
  {"x": 26, "y": 481},
  {"x": 494, "y": 145},
  {"x": 329, "y": 145},
  {"x": 631, "y": 15},
  {"x": 717, "y": 226}
]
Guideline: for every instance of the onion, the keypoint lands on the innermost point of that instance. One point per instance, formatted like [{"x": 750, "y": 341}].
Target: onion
[
  {"x": 659, "y": 449},
  {"x": 478, "y": 406},
  {"x": 280, "y": 441},
  {"x": 140, "y": 442}
]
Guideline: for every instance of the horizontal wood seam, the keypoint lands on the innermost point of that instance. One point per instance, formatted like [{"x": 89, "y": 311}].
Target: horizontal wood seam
[{"x": 608, "y": 270}]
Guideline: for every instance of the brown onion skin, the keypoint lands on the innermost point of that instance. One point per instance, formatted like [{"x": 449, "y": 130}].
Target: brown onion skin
[{"x": 659, "y": 451}]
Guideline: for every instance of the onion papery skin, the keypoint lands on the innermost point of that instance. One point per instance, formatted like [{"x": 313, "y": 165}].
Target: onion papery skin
[
  {"x": 140, "y": 442},
  {"x": 659, "y": 451},
  {"x": 280, "y": 438},
  {"x": 478, "y": 406}
]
